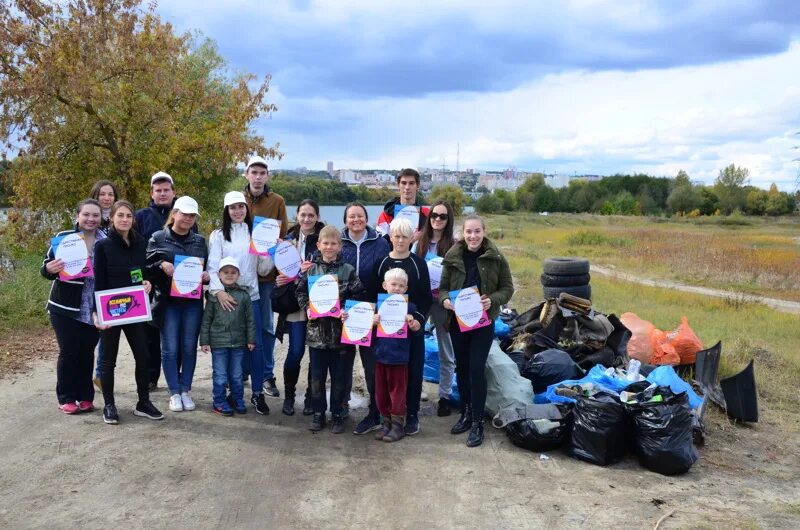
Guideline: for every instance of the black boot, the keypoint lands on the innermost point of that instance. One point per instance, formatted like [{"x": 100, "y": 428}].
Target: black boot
[
  {"x": 464, "y": 421},
  {"x": 475, "y": 437},
  {"x": 317, "y": 422},
  {"x": 290, "y": 382},
  {"x": 308, "y": 406}
]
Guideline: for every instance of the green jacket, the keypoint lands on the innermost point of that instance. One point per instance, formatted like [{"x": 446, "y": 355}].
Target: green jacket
[
  {"x": 228, "y": 329},
  {"x": 493, "y": 270}
]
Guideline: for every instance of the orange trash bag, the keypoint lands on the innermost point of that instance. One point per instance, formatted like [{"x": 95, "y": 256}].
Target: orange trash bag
[
  {"x": 685, "y": 342},
  {"x": 639, "y": 346},
  {"x": 663, "y": 351}
]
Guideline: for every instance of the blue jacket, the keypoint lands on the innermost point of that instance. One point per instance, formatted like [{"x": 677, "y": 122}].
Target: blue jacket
[
  {"x": 151, "y": 219},
  {"x": 394, "y": 351},
  {"x": 365, "y": 258}
]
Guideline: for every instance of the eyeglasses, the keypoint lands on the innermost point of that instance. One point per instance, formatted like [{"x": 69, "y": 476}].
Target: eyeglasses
[{"x": 442, "y": 216}]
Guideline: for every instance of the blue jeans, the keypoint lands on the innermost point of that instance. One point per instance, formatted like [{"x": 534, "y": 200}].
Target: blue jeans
[
  {"x": 179, "y": 334},
  {"x": 336, "y": 361},
  {"x": 226, "y": 364},
  {"x": 99, "y": 350},
  {"x": 297, "y": 344},
  {"x": 253, "y": 361},
  {"x": 267, "y": 329}
]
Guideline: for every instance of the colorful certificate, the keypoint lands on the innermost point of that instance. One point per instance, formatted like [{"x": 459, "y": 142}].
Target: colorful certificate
[
  {"x": 323, "y": 296},
  {"x": 265, "y": 235},
  {"x": 393, "y": 309},
  {"x": 468, "y": 309},
  {"x": 408, "y": 211},
  {"x": 357, "y": 329},
  {"x": 287, "y": 259},
  {"x": 71, "y": 249},
  {"x": 116, "y": 307},
  {"x": 187, "y": 280},
  {"x": 435, "y": 271}
]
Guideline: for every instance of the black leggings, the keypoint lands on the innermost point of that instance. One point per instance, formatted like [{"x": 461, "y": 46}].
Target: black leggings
[
  {"x": 472, "y": 350},
  {"x": 76, "y": 342},
  {"x": 137, "y": 340}
]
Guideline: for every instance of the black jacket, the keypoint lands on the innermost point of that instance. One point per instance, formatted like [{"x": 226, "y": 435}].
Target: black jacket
[
  {"x": 152, "y": 219},
  {"x": 65, "y": 296},
  {"x": 115, "y": 260},
  {"x": 419, "y": 283}
]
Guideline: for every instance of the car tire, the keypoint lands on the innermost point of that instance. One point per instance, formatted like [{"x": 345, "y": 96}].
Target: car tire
[
  {"x": 581, "y": 291},
  {"x": 566, "y": 266},
  {"x": 564, "y": 280}
]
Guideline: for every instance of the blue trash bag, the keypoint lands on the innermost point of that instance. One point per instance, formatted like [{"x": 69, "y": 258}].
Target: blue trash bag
[
  {"x": 501, "y": 329},
  {"x": 666, "y": 376},
  {"x": 597, "y": 376},
  {"x": 430, "y": 372}
]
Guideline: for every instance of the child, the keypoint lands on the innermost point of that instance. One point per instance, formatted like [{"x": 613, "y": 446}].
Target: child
[
  {"x": 391, "y": 365},
  {"x": 226, "y": 333},
  {"x": 324, "y": 335}
]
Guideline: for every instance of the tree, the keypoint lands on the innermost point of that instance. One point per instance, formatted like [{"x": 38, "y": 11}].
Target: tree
[
  {"x": 104, "y": 89},
  {"x": 684, "y": 199},
  {"x": 452, "y": 194},
  {"x": 729, "y": 187},
  {"x": 488, "y": 203}
]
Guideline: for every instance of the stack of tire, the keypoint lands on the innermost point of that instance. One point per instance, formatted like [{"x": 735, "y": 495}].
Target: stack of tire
[{"x": 566, "y": 275}]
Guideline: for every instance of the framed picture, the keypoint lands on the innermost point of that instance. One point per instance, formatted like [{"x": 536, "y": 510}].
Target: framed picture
[{"x": 126, "y": 305}]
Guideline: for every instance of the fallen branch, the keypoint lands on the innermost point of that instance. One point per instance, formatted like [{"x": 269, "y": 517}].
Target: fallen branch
[{"x": 662, "y": 518}]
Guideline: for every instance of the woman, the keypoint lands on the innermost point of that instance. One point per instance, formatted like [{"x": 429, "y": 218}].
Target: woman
[
  {"x": 435, "y": 240},
  {"x": 70, "y": 308},
  {"x": 119, "y": 261},
  {"x": 105, "y": 193},
  {"x": 303, "y": 235},
  {"x": 233, "y": 240},
  {"x": 364, "y": 248},
  {"x": 474, "y": 262},
  {"x": 179, "y": 318}
]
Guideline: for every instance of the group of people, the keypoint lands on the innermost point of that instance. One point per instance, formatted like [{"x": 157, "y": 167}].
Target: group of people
[{"x": 245, "y": 290}]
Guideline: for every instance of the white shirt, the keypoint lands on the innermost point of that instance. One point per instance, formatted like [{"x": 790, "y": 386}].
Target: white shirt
[{"x": 250, "y": 265}]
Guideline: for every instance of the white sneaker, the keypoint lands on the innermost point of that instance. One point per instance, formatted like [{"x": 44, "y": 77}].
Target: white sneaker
[
  {"x": 175, "y": 403},
  {"x": 186, "y": 399}
]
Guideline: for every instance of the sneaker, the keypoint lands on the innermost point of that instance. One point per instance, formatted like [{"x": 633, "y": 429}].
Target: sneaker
[
  {"x": 85, "y": 406},
  {"x": 412, "y": 426},
  {"x": 110, "y": 415},
  {"x": 368, "y": 424},
  {"x": 146, "y": 409},
  {"x": 69, "y": 408},
  {"x": 97, "y": 384},
  {"x": 338, "y": 425},
  {"x": 175, "y": 403},
  {"x": 223, "y": 409},
  {"x": 443, "y": 409},
  {"x": 317, "y": 422},
  {"x": 270, "y": 389},
  {"x": 260, "y": 404},
  {"x": 186, "y": 399},
  {"x": 239, "y": 406},
  {"x": 308, "y": 408}
]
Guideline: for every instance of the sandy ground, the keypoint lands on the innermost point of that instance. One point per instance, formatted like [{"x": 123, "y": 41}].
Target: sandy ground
[{"x": 200, "y": 470}]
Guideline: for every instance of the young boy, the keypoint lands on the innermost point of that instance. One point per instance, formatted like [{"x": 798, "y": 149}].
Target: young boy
[
  {"x": 324, "y": 335},
  {"x": 226, "y": 334},
  {"x": 391, "y": 365}
]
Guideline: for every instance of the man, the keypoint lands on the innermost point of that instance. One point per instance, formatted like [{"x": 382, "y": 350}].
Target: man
[
  {"x": 149, "y": 221},
  {"x": 408, "y": 186},
  {"x": 264, "y": 203}
]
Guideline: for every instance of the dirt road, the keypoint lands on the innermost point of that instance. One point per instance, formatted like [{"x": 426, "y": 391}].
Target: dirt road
[{"x": 199, "y": 470}]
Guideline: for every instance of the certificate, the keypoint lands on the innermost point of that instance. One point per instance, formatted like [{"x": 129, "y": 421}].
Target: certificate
[
  {"x": 408, "y": 211},
  {"x": 265, "y": 235},
  {"x": 468, "y": 309},
  {"x": 393, "y": 309},
  {"x": 435, "y": 271},
  {"x": 357, "y": 329},
  {"x": 187, "y": 280},
  {"x": 323, "y": 296},
  {"x": 287, "y": 259},
  {"x": 116, "y": 307},
  {"x": 71, "y": 249}
]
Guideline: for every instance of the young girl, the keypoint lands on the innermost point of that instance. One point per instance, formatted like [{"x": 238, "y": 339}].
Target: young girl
[
  {"x": 324, "y": 335},
  {"x": 226, "y": 333}
]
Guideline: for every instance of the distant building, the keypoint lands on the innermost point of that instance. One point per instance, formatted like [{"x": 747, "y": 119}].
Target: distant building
[
  {"x": 348, "y": 176},
  {"x": 330, "y": 167}
]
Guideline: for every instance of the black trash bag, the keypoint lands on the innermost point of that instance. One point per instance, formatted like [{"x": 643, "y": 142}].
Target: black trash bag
[
  {"x": 586, "y": 356},
  {"x": 598, "y": 429},
  {"x": 662, "y": 433},
  {"x": 550, "y": 367},
  {"x": 524, "y": 433},
  {"x": 519, "y": 359}
]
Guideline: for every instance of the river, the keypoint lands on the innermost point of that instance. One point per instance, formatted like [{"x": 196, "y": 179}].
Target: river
[{"x": 332, "y": 215}]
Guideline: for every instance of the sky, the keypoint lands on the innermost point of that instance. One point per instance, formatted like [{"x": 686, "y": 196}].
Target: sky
[{"x": 566, "y": 87}]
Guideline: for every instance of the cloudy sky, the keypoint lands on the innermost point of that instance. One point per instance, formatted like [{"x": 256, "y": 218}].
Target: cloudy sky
[{"x": 584, "y": 86}]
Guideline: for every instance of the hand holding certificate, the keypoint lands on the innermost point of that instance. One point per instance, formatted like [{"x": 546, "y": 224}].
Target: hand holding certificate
[
  {"x": 323, "y": 296},
  {"x": 287, "y": 259},
  {"x": 71, "y": 250},
  {"x": 468, "y": 308},
  {"x": 265, "y": 235},
  {"x": 435, "y": 271},
  {"x": 187, "y": 278},
  {"x": 357, "y": 329},
  {"x": 392, "y": 309}
]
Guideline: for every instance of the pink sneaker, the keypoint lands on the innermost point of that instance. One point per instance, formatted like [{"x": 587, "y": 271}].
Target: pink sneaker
[
  {"x": 69, "y": 408},
  {"x": 86, "y": 406}
]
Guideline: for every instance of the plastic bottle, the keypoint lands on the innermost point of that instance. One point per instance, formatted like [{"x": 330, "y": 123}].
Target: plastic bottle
[{"x": 633, "y": 370}]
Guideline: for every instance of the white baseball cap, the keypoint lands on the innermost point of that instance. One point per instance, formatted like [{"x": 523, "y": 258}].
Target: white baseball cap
[
  {"x": 228, "y": 261},
  {"x": 161, "y": 176},
  {"x": 186, "y": 205},
  {"x": 234, "y": 197},
  {"x": 256, "y": 161}
]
